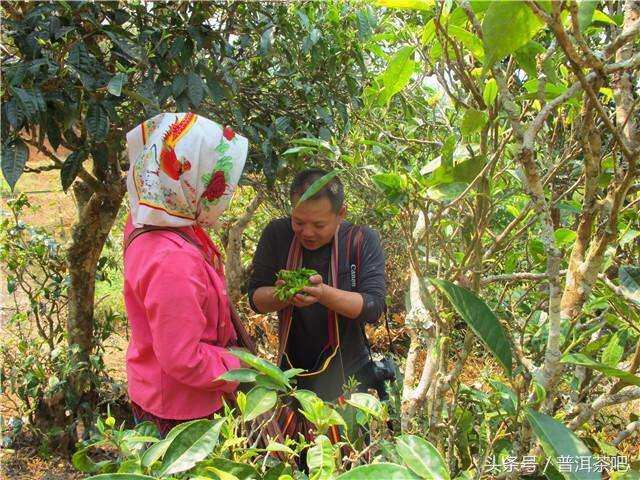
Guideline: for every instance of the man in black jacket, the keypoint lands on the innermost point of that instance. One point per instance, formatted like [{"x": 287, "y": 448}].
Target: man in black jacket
[{"x": 322, "y": 328}]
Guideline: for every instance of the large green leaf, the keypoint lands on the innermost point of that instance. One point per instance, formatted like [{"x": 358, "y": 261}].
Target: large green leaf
[
  {"x": 629, "y": 277},
  {"x": 195, "y": 89},
  {"x": 317, "y": 185},
  {"x": 585, "y": 12},
  {"x": 191, "y": 445},
  {"x": 506, "y": 27},
  {"x": 321, "y": 459},
  {"x": 614, "y": 351},
  {"x": 392, "y": 184},
  {"x": 421, "y": 457},
  {"x": 239, "y": 375},
  {"x": 462, "y": 172},
  {"x": 97, "y": 122},
  {"x": 241, "y": 471},
  {"x": 114, "y": 87},
  {"x": 472, "y": 122},
  {"x": 481, "y": 319},
  {"x": 82, "y": 462},
  {"x": 71, "y": 167},
  {"x": 157, "y": 450},
  {"x": 397, "y": 74},
  {"x": 583, "y": 360},
  {"x": 379, "y": 471},
  {"x": 490, "y": 92},
  {"x": 262, "y": 366},
  {"x": 14, "y": 158},
  {"x": 368, "y": 404},
  {"x": 470, "y": 41},
  {"x": 259, "y": 401},
  {"x": 558, "y": 441},
  {"x": 317, "y": 411}
]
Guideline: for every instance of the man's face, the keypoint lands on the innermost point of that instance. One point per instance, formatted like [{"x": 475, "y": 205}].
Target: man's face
[{"x": 314, "y": 222}]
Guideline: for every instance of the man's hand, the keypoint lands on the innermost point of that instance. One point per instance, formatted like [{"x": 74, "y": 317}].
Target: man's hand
[
  {"x": 314, "y": 292},
  {"x": 309, "y": 297}
]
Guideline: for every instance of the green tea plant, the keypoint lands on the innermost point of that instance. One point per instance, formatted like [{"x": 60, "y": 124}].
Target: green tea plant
[
  {"x": 226, "y": 447},
  {"x": 294, "y": 282},
  {"x": 36, "y": 358}
]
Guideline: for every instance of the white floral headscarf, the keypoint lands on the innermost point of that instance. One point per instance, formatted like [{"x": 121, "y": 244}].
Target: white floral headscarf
[{"x": 184, "y": 169}]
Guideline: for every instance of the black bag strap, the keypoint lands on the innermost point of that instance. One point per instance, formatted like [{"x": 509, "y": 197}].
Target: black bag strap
[{"x": 354, "y": 256}]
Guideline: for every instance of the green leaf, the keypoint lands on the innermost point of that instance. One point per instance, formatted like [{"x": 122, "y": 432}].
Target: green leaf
[
  {"x": 470, "y": 41},
  {"x": 82, "y": 462},
  {"x": 321, "y": 459},
  {"x": 71, "y": 167},
  {"x": 269, "y": 383},
  {"x": 14, "y": 158},
  {"x": 481, "y": 319},
  {"x": 114, "y": 87},
  {"x": 306, "y": 398},
  {"x": 472, "y": 122},
  {"x": 97, "y": 122},
  {"x": 379, "y": 471},
  {"x": 526, "y": 57},
  {"x": 397, "y": 74},
  {"x": 462, "y": 172},
  {"x": 191, "y": 445},
  {"x": 195, "y": 89},
  {"x": 407, "y": 4},
  {"x": 392, "y": 185},
  {"x": 128, "y": 47},
  {"x": 293, "y": 372},
  {"x": 599, "y": 16},
  {"x": 490, "y": 92},
  {"x": 579, "y": 359},
  {"x": 238, "y": 470},
  {"x": 629, "y": 277},
  {"x": 262, "y": 366},
  {"x": 564, "y": 237},
  {"x": 558, "y": 441},
  {"x": 316, "y": 186},
  {"x": 178, "y": 85},
  {"x": 120, "y": 476},
  {"x": 317, "y": 411},
  {"x": 421, "y": 457},
  {"x": 279, "y": 447},
  {"x": 27, "y": 101},
  {"x": 428, "y": 32},
  {"x": 368, "y": 404},
  {"x": 585, "y": 12},
  {"x": 506, "y": 27},
  {"x": 281, "y": 471},
  {"x": 157, "y": 450},
  {"x": 239, "y": 375},
  {"x": 259, "y": 401},
  {"x": 614, "y": 351}
]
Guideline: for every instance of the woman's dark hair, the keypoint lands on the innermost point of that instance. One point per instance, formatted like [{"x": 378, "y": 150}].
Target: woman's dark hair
[{"x": 333, "y": 190}]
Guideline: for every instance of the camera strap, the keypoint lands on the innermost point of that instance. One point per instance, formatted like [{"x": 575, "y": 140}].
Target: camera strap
[{"x": 354, "y": 242}]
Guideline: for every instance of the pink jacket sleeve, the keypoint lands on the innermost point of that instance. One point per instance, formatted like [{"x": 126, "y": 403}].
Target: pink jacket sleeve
[{"x": 174, "y": 288}]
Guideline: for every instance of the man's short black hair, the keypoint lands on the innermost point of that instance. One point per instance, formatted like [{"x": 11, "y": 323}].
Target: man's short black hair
[{"x": 333, "y": 190}]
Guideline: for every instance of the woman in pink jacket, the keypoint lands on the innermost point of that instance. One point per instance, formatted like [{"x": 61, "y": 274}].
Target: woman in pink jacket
[{"x": 183, "y": 171}]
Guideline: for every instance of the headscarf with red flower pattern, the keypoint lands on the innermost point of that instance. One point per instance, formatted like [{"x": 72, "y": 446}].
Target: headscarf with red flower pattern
[{"x": 184, "y": 169}]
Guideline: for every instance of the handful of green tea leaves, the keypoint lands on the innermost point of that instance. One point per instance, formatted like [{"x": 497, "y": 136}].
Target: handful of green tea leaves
[{"x": 294, "y": 282}]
